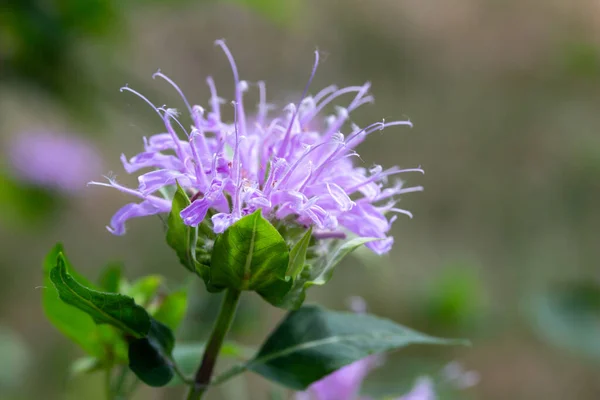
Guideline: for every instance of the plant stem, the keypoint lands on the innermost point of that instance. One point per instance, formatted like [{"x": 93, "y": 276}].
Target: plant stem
[
  {"x": 107, "y": 384},
  {"x": 120, "y": 383},
  {"x": 213, "y": 347}
]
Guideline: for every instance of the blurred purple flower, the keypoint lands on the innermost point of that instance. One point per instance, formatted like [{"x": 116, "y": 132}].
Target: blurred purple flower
[
  {"x": 53, "y": 160},
  {"x": 284, "y": 165},
  {"x": 343, "y": 384}
]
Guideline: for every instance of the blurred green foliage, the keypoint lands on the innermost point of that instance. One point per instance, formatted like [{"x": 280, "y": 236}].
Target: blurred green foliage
[{"x": 568, "y": 316}]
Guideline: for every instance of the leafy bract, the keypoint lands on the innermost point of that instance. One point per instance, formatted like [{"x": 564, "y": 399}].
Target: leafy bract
[
  {"x": 191, "y": 244},
  {"x": 319, "y": 272},
  {"x": 250, "y": 255}
]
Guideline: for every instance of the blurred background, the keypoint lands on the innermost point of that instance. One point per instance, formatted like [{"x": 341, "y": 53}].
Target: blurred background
[{"x": 504, "y": 248}]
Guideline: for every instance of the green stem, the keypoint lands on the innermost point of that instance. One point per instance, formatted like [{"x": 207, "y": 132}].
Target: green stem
[
  {"x": 107, "y": 384},
  {"x": 118, "y": 391},
  {"x": 209, "y": 359}
]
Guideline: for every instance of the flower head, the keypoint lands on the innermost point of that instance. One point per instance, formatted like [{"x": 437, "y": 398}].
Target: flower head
[
  {"x": 53, "y": 160},
  {"x": 287, "y": 165}
]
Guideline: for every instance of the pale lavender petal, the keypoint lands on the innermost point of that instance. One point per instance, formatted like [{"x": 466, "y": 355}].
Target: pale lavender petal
[
  {"x": 153, "y": 181},
  {"x": 221, "y": 222},
  {"x": 343, "y": 384},
  {"x": 151, "y": 160},
  {"x": 134, "y": 210},
  {"x": 194, "y": 213}
]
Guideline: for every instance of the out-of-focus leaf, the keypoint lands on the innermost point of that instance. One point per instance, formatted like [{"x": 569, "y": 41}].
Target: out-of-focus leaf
[
  {"x": 85, "y": 365},
  {"x": 172, "y": 309},
  {"x": 312, "y": 342},
  {"x": 110, "y": 278},
  {"x": 276, "y": 10},
  {"x": 16, "y": 358},
  {"x": 568, "y": 316},
  {"x": 454, "y": 299},
  {"x": 144, "y": 289}
]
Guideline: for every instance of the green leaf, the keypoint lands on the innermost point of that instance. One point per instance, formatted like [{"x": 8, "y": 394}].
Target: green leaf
[
  {"x": 144, "y": 289},
  {"x": 249, "y": 255},
  {"x": 179, "y": 235},
  {"x": 73, "y": 323},
  {"x": 298, "y": 255},
  {"x": 313, "y": 342},
  {"x": 110, "y": 278},
  {"x": 568, "y": 316},
  {"x": 171, "y": 309},
  {"x": 85, "y": 365},
  {"x": 192, "y": 245},
  {"x": 319, "y": 273},
  {"x": 150, "y": 357},
  {"x": 323, "y": 272},
  {"x": 105, "y": 308}
]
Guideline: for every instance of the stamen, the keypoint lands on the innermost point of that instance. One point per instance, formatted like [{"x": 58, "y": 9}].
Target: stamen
[
  {"x": 166, "y": 78},
  {"x": 286, "y": 139},
  {"x": 237, "y": 206},
  {"x": 262, "y": 103},
  {"x": 128, "y": 89},
  {"x": 324, "y": 92},
  {"x": 239, "y": 86},
  {"x": 331, "y": 97},
  {"x": 215, "y": 101},
  {"x": 297, "y": 162},
  {"x": 401, "y": 211},
  {"x": 377, "y": 176},
  {"x": 172, "y": 113}
]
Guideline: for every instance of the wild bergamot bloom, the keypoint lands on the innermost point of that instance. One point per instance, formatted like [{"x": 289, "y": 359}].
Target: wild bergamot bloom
[{"x": 290, "y": 166}]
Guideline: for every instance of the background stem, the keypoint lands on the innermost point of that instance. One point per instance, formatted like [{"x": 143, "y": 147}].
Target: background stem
[{"x": 209, "y": 359}]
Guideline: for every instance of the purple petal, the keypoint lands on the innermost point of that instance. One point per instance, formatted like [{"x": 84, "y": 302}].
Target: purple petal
[
  {"x": 221, "y": 222},
  {"x": 134, "y": 210},
  {"x": 151, "y": 160},
  {"x": 155, "y": 180},
  {"x": 343, "y": 384},
  {"x": 195, "y": 213}
]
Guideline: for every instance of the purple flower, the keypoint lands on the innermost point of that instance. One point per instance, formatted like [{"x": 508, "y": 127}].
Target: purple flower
[
  {"x": 286, "y": 165},
  {"x": 53, "y": 160},
  {"x": 343, "y": 384}
]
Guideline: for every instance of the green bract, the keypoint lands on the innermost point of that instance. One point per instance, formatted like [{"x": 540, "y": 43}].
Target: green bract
[{"x": 253, "y": 255}]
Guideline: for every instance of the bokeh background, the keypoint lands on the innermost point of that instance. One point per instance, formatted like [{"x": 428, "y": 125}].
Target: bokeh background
[{"x": 504, "y": 248}]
